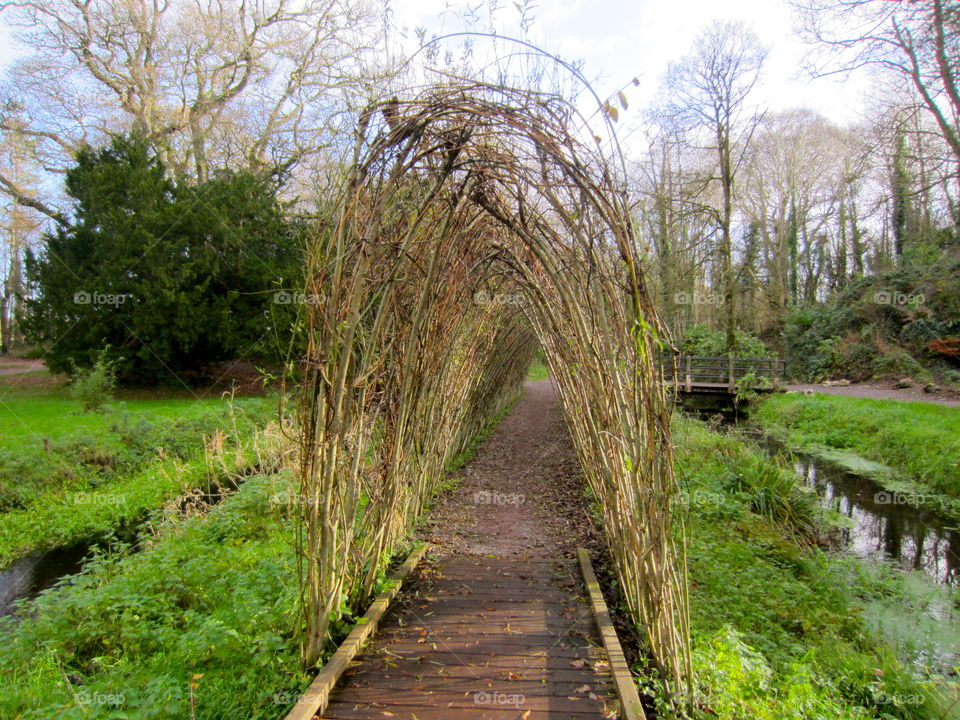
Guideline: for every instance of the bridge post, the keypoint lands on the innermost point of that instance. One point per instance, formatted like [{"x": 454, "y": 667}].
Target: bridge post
[
  {"x": 730, "y": 384},
  {"x": 689, "y": 378}
]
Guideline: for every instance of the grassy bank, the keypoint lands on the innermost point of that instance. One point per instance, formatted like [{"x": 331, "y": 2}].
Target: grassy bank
[
  {"x": 33, "y": 415},
  {"x": 203, "y": 621},
  {"x": 777, "y": 625},
  {"x": 65, "y": 476},
  {"x": 919, "y": 442}
]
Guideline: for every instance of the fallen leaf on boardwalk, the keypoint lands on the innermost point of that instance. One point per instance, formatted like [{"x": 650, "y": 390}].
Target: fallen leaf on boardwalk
[
  {"x": 525, "y": 715},
  {"x": 577, "y": 663},
  {"x": 583, "y": 689}
]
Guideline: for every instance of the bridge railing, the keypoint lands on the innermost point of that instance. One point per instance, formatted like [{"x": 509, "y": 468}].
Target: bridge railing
[{"x": 692, "y": 371}]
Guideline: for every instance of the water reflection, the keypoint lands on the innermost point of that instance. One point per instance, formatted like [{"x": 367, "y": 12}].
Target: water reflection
[
  {"x": 881, "y": 525},
  {"x": 30, "y": 575}
]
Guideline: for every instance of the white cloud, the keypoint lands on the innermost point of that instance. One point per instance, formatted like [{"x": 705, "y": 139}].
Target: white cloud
[{"x": 621, "y": 39}]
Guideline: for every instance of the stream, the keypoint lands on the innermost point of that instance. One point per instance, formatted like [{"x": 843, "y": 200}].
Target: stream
[
  {"x": 922, "y": 623},
  {"x": 29, "y": 576},
  {"x": 915, "y": 538}
]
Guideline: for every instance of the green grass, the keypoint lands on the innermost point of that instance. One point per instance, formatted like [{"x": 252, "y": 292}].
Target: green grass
[
  {"x": 919, "y": 441},
  {"x": 537, "y": 371},
  {"x": 31, "y": 413},
  {"x": 208, "y": 610},
  {"x": 777, "y": 626},
  {"x": 66, "y": 477}
]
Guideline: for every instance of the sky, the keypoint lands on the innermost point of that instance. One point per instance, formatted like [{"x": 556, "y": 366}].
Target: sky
[
  {"x": 618, "y": 40},
  {"x": 621, "y": 39}
]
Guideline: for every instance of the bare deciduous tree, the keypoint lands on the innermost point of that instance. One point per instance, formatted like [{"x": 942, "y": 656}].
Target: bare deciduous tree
[
  {"x": 18, "y": 226},
  {"x": 917, "y": 41},
  {"x": 210, "y": 83},
  {"x": 709, "y": 91}
]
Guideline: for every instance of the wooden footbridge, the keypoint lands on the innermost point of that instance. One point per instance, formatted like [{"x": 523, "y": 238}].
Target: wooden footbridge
[
  {"x": 481, "y": 638},
  {"x": 692, "y": 375},
  {"x": 484, "y": 638}
]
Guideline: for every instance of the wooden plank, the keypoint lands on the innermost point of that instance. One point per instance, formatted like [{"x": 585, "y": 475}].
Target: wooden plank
[
  {"x": 480, "y": 601},
  {"x": 478, "y": 697},
  {"x": 430, "y": 671},
  {"x": 481, "y": 711},
  {"x": 380, "y": 687},
  {"x": 441, "y": 657},
  {"x": 492, "y": 649},
  {"x": 505, "y": 613},
  {"x": 515, "y": 640},
  {"x": 622, "y": 678},
  {"x": 315, "y": 698},
  {"x": 549, "y": 588},
  {"x": 491, "y": 621}
]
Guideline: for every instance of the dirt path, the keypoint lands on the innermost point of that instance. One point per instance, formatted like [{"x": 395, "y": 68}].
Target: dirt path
[
  {"x": 15, "y": 366},
  {"x": 878, "y": 392},
  {"x": 496, "y": 625}
]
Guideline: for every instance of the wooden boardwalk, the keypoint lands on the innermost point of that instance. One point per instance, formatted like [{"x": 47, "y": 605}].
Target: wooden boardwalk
[
  {"x": 495, "y": 622},
  {"x": 483, "y": 638}
]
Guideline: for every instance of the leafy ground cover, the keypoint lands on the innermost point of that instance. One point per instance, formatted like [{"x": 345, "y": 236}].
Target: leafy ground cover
[
  {"x": 778, "y": 625},
  {"x": 201, "y": 623}
]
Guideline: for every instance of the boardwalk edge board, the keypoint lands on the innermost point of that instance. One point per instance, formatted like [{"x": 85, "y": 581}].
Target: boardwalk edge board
[
  {"x": 626, "y": 689},
  {"x": 314, "y": 700}
]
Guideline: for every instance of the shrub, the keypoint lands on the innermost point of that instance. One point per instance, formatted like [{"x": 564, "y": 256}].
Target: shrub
[
  {"x": 93, "y": 387},
  {"x": 179, "y": 276},
  {"x": 700, "y": 340},
  {"x": 891, "y": 323}
]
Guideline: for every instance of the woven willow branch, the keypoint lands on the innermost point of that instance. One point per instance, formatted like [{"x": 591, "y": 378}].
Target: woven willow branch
[{"x": 474, "y": 225}]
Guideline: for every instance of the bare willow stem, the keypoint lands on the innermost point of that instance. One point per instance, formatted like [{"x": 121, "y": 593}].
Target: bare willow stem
[{"x": 474, "y": 226}]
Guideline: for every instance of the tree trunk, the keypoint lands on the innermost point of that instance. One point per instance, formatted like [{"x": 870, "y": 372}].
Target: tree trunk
[{"x": 726, "y": 249}]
